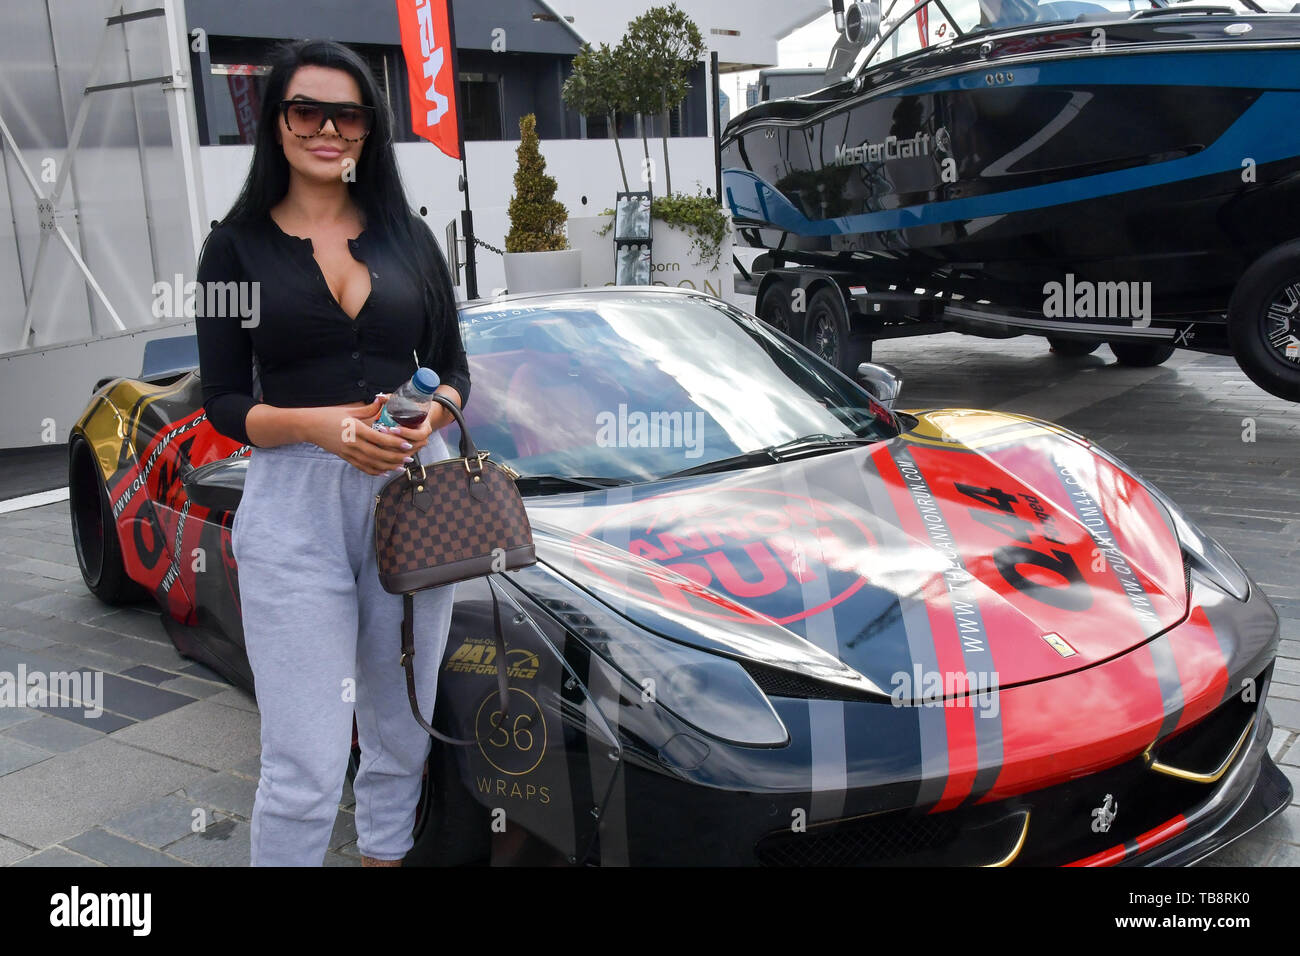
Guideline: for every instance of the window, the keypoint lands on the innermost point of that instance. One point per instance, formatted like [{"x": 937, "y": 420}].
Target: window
[{"x": 480, "y": 106}]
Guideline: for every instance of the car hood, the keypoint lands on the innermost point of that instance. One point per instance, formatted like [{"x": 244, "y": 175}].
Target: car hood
[{"x": 977, "y": 546}]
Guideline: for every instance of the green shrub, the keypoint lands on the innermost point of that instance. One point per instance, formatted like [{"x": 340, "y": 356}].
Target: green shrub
[{"x": 537, "y": 218}]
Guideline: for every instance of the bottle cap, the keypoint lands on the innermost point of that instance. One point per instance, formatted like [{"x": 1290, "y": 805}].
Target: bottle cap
[{"x": 426, "y": 380}]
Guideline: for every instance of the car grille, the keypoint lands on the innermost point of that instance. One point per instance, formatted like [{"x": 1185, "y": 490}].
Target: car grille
[
  {"x": 1059, "y": 825},
  {"x": 885, "y": 839}
]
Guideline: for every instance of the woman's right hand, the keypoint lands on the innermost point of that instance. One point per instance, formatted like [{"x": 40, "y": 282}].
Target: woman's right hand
[{"x": 346, "y": 431}]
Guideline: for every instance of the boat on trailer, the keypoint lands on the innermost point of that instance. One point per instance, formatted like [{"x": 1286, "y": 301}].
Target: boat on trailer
[{"x": 1092, "y": 170}]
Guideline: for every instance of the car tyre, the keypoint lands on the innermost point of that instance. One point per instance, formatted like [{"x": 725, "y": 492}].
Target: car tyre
[
  {"x": 1141, "y": 354},
  {"x": 1264, "y": 319},
  {"x": 827, "y": 333},
  {"x": 1072, "y": 348},
  {"x": 94, "y": 530}
]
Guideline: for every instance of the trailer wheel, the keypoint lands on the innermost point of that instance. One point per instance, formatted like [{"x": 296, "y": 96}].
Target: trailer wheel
[
  {"x": 1141, "y": 354},
  {"x": 828, "y": 333},
  {"x": 774, "y": 309},
  {"x": 1264, "y": 322},
  {"x": 1073, "y": 348}
]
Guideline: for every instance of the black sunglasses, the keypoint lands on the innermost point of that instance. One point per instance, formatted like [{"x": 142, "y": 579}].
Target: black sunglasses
[{"x": 306, "y": 118}]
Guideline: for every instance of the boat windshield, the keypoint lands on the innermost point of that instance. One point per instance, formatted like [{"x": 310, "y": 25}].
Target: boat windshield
[{"x": 909, "y": 26}]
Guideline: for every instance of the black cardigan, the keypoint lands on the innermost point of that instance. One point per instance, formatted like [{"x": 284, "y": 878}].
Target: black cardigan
[{"x": 309, "y": 353}]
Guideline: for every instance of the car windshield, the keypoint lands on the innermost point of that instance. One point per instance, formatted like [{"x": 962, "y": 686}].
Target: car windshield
[
  {"x": 636, "y": 386},
  {"x": 923, "y": 27}
]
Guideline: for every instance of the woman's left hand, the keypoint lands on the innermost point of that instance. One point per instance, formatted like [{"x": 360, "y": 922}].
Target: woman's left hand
[{"x": 437, "y": 419}]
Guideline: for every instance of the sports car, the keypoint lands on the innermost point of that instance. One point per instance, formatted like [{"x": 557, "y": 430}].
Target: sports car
[{"x": 774, "y": 618}]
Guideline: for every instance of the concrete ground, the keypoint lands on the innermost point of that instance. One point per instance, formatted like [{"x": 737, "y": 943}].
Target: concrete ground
[{"x": 167, "y": 775}]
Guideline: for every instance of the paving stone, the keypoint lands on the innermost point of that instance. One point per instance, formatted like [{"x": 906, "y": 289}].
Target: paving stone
[
  {"x": 252, "y": 768},
  {"x": 68, "y": 793},
  {"x": 195, "y": 669},
  {"x": 68, "y": 607},
  {"x": 1293, "y": 774},
  {"x": 139, "y": 700},
  {"x": 333, "y": 858},
  {"x": 225, "y": 842},
  {"x": 142, "y": 622},
  {"x": 203, "y": 733},
  {"x": 80, "y": 634},
  {"x": 9, "y": 716},
  {"x": 192, "y": 687},
  {"x": 105, "y": 722},
  {"x": 1277, "y": 743},
  {"x": 30, "y": 568},
  {"x": 51, "y": 734},
  {"x": 13, "y": 590},
  {"x": 160, "y": 822},
  {"x": 1286, "y": 713},
  {"x": 1283, "y": 828},
  {"x": 225, "y": 791},
  {"x": 1286, "y": 856},
  {"x": 72, "y": 657},
  {"x": 11, "y": 852},
  {"x": 148, "y": 674},
  {"x": 112, "y": 850},
  {"x": 236, "y": 698},
  {"x": 24, "y": 639},
  {"x": 15, "y": 755},
  {"x": 345, "y": 830},
  {"x": 57, "y": 856},
  {"x": 147, "y": 652}
]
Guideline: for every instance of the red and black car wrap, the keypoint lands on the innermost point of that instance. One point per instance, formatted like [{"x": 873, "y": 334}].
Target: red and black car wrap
[{"x": 982, "y": 642}]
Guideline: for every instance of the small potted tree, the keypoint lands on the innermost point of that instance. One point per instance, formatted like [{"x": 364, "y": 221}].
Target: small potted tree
[
  {"x": 537, "y": 256},
  {"x": 648, "y": 75}
]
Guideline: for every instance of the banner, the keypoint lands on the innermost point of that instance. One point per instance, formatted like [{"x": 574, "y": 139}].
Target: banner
[
  {"x": 430, "y": 67},
  {"x": 243, "y": 96}
]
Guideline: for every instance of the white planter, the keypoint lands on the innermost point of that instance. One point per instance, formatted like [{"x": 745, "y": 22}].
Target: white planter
[
  {"x": 671, "y": 254},
  {"x": 543, "y": 271}
]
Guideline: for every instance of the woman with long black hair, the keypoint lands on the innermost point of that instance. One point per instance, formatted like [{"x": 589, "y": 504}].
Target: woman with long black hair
[{"x": 351, "y": 295}]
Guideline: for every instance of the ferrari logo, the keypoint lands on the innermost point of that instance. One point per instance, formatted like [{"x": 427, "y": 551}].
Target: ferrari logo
[
  {"x": 1058, "y": 644},
  {"x": 1104, "y": 815}
]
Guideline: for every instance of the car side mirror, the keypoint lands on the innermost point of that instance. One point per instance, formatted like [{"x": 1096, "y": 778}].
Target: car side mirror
[{"x": 884, "y": 382}]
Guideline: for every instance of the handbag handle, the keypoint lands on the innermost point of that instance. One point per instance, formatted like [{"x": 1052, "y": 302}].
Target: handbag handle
[{"x": 467, "y": 446}]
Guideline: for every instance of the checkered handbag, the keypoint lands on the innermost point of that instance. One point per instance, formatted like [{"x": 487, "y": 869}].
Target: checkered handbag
[{"x": 450, "y": 521}]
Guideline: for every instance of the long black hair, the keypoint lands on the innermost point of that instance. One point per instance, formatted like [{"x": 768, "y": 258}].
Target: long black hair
[{"x": 377, "y": 186}]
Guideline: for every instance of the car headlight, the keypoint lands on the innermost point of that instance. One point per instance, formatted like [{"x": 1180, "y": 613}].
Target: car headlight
[
  {"x": 1206, "y": 556},
  {"x": 713, "y": 694}
]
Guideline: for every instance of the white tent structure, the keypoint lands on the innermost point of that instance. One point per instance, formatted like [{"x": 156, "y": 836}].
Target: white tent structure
[{"x": 106, "y": 192}]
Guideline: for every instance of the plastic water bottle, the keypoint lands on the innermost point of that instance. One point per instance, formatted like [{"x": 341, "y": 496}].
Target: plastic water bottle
[{"x": 410, "y": 404}]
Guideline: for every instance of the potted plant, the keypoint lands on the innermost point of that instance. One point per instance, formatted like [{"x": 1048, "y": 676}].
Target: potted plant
[{"x": 537, "y": 255}]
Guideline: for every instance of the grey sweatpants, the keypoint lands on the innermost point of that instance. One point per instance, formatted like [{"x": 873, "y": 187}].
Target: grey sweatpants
[{"x": 323, "y": 638}]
